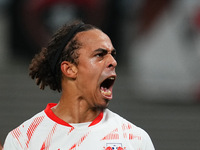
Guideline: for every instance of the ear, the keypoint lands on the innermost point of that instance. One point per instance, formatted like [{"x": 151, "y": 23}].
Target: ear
[{"x": 69, "y": 69}]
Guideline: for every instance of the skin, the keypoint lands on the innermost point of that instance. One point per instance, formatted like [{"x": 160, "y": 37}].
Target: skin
[{"x": 81, "y": 99}]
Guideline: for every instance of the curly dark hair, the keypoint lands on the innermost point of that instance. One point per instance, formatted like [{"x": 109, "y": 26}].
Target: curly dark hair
[{"x": 40, "y": 68}]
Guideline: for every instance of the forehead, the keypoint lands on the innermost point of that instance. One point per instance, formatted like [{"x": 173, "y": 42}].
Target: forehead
[{"x": 94, "y": 39}]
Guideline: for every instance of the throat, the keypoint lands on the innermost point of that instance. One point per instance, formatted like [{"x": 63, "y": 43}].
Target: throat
[{"x": 74, "y": 115}]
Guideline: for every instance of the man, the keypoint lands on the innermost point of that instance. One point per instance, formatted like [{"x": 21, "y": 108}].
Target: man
[{"x": 80, "y": 62}]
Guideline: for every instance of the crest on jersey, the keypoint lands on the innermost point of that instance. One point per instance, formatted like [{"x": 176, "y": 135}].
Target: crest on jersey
[{"x": 114, "y": 146}]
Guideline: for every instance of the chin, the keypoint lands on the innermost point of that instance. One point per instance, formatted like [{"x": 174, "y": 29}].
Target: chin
[{"x": 102, "y": 106}]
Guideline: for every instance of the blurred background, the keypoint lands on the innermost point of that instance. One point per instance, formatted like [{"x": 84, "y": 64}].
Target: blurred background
[{"x": 158, "y": 47}]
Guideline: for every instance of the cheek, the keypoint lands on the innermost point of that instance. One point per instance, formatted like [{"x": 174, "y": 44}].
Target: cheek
[{"x": 90, "y": 71}]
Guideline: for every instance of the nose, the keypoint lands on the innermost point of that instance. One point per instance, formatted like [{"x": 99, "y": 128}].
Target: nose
[{"x": 112, "y": 63}]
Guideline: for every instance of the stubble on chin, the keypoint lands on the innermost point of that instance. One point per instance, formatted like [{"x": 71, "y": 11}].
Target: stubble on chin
[{"x": 101, "y": 107}]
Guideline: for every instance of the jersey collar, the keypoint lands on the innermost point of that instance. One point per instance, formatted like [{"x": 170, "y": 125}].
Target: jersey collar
[{"x": 56, "y": 119}]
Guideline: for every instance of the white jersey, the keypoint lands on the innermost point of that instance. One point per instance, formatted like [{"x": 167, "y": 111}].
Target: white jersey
[{"x": 109, "y": 131}]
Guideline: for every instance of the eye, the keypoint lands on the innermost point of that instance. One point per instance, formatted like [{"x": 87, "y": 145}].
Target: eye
[{"x": 99, "y": 55}]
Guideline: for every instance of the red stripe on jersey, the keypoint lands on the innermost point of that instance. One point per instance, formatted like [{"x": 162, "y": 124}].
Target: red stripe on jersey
[
  {"x": 131, "y": 137},
  {"x": 43, "y": 146},
  {"x": 33, "y": 127},
  {"x": 47, "y": 142},
  {"x": 112, "y": 135},
  {"x": 72, "y": 128},
  {"x": 125, "y": 135},
  {"x": 53, "y": 117},
  {"x": 126, "y": 127},
  {"x": 16, "y": 133},
  {"x": 79, "y": 142}
]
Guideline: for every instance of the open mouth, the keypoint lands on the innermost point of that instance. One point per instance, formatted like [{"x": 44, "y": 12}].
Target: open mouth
[{"x": 106, "y": 87}]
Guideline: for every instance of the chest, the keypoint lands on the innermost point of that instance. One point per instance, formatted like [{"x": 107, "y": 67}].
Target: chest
[{"x": 101, "y": 138}]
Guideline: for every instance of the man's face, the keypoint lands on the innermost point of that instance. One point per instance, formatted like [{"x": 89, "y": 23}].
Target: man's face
[{"x": 96, "y": 68}]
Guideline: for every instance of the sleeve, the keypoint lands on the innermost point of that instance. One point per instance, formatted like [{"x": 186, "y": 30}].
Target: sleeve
[
  {"x": 11, "y": 143},
  {"x": 146, "y": 142}
]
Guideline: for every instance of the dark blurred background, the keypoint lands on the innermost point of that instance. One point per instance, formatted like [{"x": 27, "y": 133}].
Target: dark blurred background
[{"x": 158, "y": 47}]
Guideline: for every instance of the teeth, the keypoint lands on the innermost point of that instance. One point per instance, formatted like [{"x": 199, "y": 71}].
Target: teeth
[
  {"x": 111, "y": 78},
  {"x": 105, "y": 92}
]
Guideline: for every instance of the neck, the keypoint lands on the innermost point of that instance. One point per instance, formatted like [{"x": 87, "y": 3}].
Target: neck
[{"x": 75, "y": 110}]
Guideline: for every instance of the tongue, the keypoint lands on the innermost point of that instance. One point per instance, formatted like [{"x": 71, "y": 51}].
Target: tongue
[{"x": 105, "y": 92}]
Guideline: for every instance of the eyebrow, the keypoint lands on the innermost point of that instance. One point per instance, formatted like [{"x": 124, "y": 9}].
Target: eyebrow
[{"x": 104, "y": 50}]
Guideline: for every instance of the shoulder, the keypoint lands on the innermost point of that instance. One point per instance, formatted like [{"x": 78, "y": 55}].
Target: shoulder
[
  {"x": 34, "y": 121},
  {"x": 130, "y": 131},
  {"x": 124, "y": 123},
  {"x": 119, "y": 120},
  {"x": 16, "y": 137}
]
